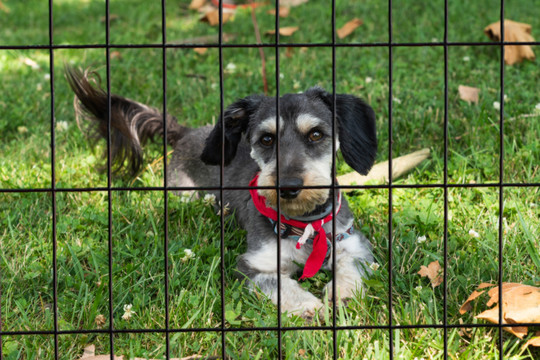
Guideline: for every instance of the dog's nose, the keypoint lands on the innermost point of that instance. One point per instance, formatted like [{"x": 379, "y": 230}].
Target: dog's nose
[{"x": 290, "y": 187}]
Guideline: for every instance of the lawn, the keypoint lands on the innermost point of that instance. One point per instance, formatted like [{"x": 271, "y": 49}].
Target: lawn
[{"x": 193, "y": 271}]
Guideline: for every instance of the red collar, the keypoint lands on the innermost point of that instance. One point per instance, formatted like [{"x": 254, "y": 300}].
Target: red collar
[{"x": 318, "y": 254}]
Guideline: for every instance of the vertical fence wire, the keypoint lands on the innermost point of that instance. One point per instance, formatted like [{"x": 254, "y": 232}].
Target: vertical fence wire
[
  {"x": 109, "y": 175},
  {"x": 445, "y": 186},
  {"x": 221, "y": 182},
  {"x": 390, "y": 183},
  {"x": 501, "y": 179},
  {"x": 165, "y": 177},
  {"x": 334, "y": 185},
  {"x": 279, "y": 329},
  {"x": 53, "y": 180},
  {"x": 278, "y": 190}
]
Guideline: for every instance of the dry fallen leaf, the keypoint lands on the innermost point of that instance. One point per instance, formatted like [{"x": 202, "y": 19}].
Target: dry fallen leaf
[
  {"x": 4, "y": 8},
  {"x": 468, "y": 94},
  {"x": 535, "y": 341},
  {"x": 116, "y": 55},
  {"x": 284, "y": 31},
  {"x": 284, "y": 11},
  {"x": 433, "y": 273},
  {"x": 200, "y": 51},
  {"x": 349, "y": 27},
  {"x": 196, "y": 4},
  {"x": 513, "y": 32},
  {"x": 212, "y": 16},
  {"x": 520, "y": 304}
]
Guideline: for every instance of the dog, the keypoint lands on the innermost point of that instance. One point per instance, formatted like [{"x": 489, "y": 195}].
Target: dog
[{"x": 304, "y": 198}]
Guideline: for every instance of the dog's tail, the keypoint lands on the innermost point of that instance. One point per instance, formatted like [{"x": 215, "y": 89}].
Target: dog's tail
[{"x": 132, "y": 123}]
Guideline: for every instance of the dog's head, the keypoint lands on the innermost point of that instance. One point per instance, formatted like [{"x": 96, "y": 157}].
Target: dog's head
[{"x": 305, "y": 143}]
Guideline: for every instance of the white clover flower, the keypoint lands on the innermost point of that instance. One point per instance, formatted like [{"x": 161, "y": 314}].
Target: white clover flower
[
  {"x": 466, "y": 58},
  {"x": 421, "y": 239},
  {"x": 226, "y": 209},
  {"x": 62, "y": 125},
  {"x": 186, "y": 197},
  {"x": 397, "y": 101},
  {"x": 474, "y": 233},
  {"x": 497, "y": 105},
  {"x": 418, "y": 288},
  {"x": 209, "y": 199},
  {"x": 374, "y": 266},
  {"x": 128, "y": 313},
  {"x": 506, "y": 98},
  {"x": 47, "y": 76},
  {"x": 368, "y": 80},
  {"x": 537, "y": 107},
  {"x": 230, "y": 68},
  {"x": 22, "y": 129},
  {"x": 188, "y": 254},
  {"x": 214, "y": 86},
  {"x": 281, "y": 75}
]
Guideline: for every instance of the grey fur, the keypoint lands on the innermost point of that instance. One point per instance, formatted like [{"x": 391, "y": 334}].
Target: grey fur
[{"x": 196, "y": 163}]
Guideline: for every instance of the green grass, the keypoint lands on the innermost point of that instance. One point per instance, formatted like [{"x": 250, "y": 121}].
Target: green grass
[{"x": 138, "y": 269}]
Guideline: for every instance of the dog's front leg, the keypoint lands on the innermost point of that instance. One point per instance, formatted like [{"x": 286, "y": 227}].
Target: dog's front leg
[
  {"x": 260, "y": 266},
  {"x": 353, "y": 257}
]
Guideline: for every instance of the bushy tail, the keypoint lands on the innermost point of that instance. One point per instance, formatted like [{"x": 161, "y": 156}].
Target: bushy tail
[{"x": 132, "y": 123}]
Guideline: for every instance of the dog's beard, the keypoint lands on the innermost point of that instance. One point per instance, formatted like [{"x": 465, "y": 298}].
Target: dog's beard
[{"x": 306, "y": 201}]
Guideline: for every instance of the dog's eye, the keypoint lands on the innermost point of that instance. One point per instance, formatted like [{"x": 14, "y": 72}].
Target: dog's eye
[
  {"x": 315, "y": 135},
  {"x": 267, "y": 140}
]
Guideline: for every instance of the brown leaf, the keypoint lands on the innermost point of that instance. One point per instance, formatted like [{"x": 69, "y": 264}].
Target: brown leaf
[
  {"x": 492, "y": 315},
  {"x": 349, "y": 27},
  {"x": 284, "y": 11},
  {"x": 284, "y": 31},
  {"x": 197, "y": 4},
  {"x": 112, "y": 17},
  {"x": 494, "y": 293},
  {"x": 116, "y": 55},
  {"x": 212, "y": 16},
  {"x": 200, "y": 51},
  {"x": 432, "y": 271},
  {"x": 4, "y": 8},
  {"x": 467, "y": 305},
  {"x": 520, "y": 304},
  {"x": 535, "y": 341},
  {"x": 485, "y": 285},
  {"x": 468, "y": 94},
  {"x": 289, "y": 52},
  {"x": 513, "y": 32}
]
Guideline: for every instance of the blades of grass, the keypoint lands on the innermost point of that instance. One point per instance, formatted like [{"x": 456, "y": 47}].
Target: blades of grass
[{"x": 532, "y": 249}]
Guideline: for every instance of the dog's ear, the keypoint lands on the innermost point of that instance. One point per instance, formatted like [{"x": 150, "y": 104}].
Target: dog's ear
[
  {"x": 356, "y": 128},
  {"x": 236, "y": 119}
]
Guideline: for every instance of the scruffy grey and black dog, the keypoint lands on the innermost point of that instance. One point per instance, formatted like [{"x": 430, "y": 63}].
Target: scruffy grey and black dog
[{"x": 305, "y": 160}]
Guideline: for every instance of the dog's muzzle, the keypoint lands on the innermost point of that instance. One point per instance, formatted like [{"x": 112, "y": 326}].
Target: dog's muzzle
[{"x": 290, "y": 188}]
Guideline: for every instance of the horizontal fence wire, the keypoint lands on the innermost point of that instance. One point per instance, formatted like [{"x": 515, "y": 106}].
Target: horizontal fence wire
[{"x": 391, "y": 185}]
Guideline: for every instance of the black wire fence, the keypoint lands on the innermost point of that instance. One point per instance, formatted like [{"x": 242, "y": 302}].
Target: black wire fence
[{"x": 278, "y": 47}]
